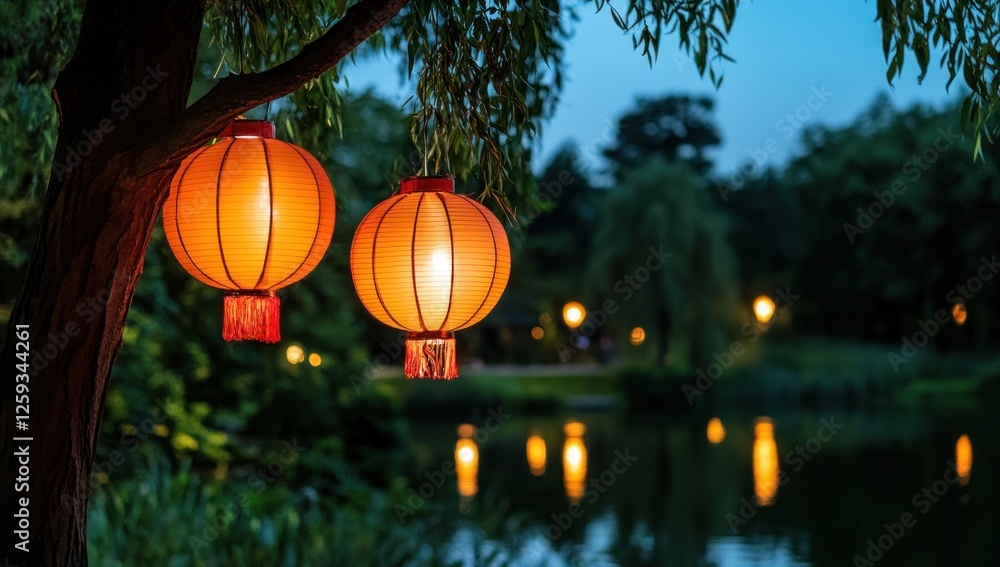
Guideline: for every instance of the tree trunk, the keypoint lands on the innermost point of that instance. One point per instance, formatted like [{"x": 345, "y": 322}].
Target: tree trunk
[
  {"x": 96, "y": 222},
  {"x": 123, "y": 130}
]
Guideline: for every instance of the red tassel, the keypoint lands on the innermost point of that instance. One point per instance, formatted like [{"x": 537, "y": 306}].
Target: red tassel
[
  {"x": 251, "y": 316},
  {"x": 430, "y": 355}
]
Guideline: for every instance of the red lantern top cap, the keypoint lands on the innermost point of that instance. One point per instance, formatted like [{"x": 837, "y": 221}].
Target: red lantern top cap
[
  {"x": 241, "y": 128},
  {"x": 419, "y": 183}
]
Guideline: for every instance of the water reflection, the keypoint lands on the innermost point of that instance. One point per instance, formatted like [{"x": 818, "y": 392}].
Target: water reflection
[
  {"x": 765, "y": 462},
  {"x": 466, "y": 462},
  {"x": 716, "y": 431},
  {"x": 536, "y": 454},
  {"x": 963, "y": 459},
  {"x": 574, "y": 461}
]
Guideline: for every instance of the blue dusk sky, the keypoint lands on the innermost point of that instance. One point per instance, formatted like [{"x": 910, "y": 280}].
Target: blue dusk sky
[{"x": 786, "y": 51}]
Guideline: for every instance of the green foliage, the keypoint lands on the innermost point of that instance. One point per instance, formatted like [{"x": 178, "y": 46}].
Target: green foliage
[
  {"x": 665, "y": 207},
  {"x": 674, "y": 127},
  {"x": 175, "y": 519},
  {"x": 967, "y": 32}
]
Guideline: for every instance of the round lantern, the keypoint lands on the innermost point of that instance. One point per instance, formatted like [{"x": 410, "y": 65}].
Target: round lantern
[
  {"x": 430, "y": 262},
  {"x": 249, "y": 214}
]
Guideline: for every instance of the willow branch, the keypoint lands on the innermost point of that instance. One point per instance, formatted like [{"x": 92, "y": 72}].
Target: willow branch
[{"x": 237, "y": 94}]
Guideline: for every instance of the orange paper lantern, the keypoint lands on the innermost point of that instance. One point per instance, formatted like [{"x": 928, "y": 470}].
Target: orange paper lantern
[
  {"x": 250, "y": 215},
  {"x": 430, "y": 262}
]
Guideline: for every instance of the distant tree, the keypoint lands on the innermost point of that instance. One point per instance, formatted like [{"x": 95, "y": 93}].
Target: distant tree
[
  {"x": 893, "y": 220},
  {"x": 674, "y": 127},
  {"x": 686, "y": 303},
  {"x": 558, "y": 241}
]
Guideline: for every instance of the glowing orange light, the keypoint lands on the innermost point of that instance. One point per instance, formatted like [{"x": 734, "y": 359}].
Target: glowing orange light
[
  {"x": 763, "y": 308},
  {"x": 573, "y": 314},
  {"x": 250, "y": 215},
  {"x": 537, "y": 333},
  {"x": 716, "y": 432},
  {"x": 466, "y": 430},
  {"x": 963, "y": 459},
  {"x": 574, "y": 429},
  {"x": 765, "y": 462},
  {"x": 315, "y": 359},
  {"x": 536, "y": 455},
  {"x": 574, "y": 468},
  {"x": 637, "y": 336},
  {"x": 959, "y": 313},
  {"x": 467, "y": 467},
  {"x": 295, "y": 354},
  {"x": 430, "y": 262}
]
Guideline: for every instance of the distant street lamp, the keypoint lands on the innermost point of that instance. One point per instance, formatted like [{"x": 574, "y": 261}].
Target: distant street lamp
[
  {"x": 763, "y": 308},
  {"x": 574, "y": 314},
  {"x": 638, "y": 336},
  {"x": 959, "y": 313}
]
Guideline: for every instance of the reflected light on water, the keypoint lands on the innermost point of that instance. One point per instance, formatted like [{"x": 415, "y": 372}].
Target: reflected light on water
[
  {"x": 574, "y": 462},
  {"x": 467, "y": 467},
  {"x": 536, "y": 455},
  {"x": 963, "y": 459},
  {"x": 716, "y": 431},
  {"x": 765, "y": 462}
]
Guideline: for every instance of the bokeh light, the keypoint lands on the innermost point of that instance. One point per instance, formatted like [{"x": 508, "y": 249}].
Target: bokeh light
[
  {"x": 574, "y": 313},
  {"x": 637, "y": 336},
  {"x": 959, "y": 313},
  {"x": 537, "y": 333},
  {"x": 716, "y": 431},
  {"x": 763, "y": 308},
  {"x": 295, "y": 354}
]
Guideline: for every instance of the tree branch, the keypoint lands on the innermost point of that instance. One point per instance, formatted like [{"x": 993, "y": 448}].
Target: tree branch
[{"x": 236, "y": 94}]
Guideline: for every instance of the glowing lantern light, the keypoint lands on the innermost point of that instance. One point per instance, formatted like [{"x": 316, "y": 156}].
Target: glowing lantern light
[
  {"x": 765, "y": 462},
  {"x": 963, "y": 459},
  {"x": 467, "y": 461},
  {"x": 574, "y": 462},
  {"x": 637, "y": 336},
  {"x": 315, "y": 359},
  {"x": 959, "y": 313},
  {"x": 716, "y": 431},
  {"x": 250, "y": 215},
  {"x": 536, "y": 454},
  {"x": 537, "y": 333},
  {"x": 763, "y": 308},
  {"x": 573, "y": 314},
  {"x": 295, "y": 354},
  {"x": 430, "y": 262}
]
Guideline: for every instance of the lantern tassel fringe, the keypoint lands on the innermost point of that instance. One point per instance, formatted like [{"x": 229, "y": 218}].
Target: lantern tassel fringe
[
  {"x": 251, "y": 317},
  {"x": 430, "y": 357}
]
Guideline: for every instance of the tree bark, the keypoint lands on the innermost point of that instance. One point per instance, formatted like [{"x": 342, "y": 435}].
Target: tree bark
[{"x": 123, "y": 131}]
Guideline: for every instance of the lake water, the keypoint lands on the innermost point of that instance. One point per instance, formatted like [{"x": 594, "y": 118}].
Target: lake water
[{"x": 907, "y": 488}]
